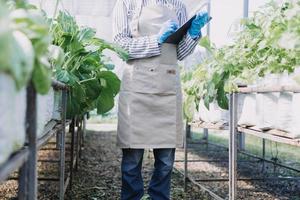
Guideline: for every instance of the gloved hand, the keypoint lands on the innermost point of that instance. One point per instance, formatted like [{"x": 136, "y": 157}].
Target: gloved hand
[
  {"x": 167, "y": 29},
  {"x": 198, "y": 23}
]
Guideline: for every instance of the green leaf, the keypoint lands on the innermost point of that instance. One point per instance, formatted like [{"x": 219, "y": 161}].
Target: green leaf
[
  {"x": 189, "y": 107},
  {"x": 73, "y": 107},
  {"x": 205, "y": 42},
  {"x": 41, "y": 78},
  {"x": 109, "y": 66},
  {"x": 105, "y": 103},
  {"x": 222, "y": 99},
  {"x": 86, "y": 34},
  {"x": 86, "y": 69},
  {"x": 207, "y": 101},
  {"x": 112, "y": 84},
  {"x": 93, "y": 89}
]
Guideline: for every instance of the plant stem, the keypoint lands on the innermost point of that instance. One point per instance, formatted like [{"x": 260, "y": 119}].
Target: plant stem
[{"x": 83, "y": 81}]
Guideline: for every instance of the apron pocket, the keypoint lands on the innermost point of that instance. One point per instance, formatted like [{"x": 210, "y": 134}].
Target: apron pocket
[{"x": 155, "y": 79}]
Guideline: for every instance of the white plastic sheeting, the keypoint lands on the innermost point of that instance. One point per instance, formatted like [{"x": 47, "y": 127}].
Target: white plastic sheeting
[
  {"x": 19, "y": 119},
  {"x": 49, "y": 5},
  {"x": 225, "y": 14},
  {"x": 267, "y": 103},
  {"x": 214, "y": 114},
  {"x": 96, "y": 14},
  {"x": 217, "y": 114},
  {"x": 94, "y": 7},
  {"x": 57, "y": 105},
  {"x": 295, "y": 129},
  {"x": 285, "y": 108},
  {"x": 45, "y": 104},
  {"x": 289, "y": 106},
  {"x": 247, "y": 107},
  {"x": 254, "y": 5},
  {"x": 203, "y": 112},
  {"x": 12, "y": 118}
]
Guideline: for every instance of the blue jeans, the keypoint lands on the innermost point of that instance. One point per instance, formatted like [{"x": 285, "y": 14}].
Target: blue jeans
[{"x": 132, "y": 181}]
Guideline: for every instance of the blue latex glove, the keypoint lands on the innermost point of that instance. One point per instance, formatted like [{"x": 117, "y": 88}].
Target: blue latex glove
[
  {"x": 167, "y": 29},
  {"x": 198, "y": 23}
]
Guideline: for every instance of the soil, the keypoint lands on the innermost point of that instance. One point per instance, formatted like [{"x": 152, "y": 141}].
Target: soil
[
  {"x": 98, "y": 175},
  {"x": 247, "y": 168}
]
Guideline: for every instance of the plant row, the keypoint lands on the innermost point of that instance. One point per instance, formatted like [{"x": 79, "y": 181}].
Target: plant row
[
  {"x": 266, "y": 43},
  {"x": 38, "y": 48}
]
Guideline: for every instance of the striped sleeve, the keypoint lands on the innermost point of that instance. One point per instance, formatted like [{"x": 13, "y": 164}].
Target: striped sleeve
[
  {"x": 187, "y": 44},
  {"x": 140, "y": 47}
]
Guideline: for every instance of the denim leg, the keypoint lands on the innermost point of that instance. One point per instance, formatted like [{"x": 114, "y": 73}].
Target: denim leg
[
  {"x": 132, "y": 181},
  {"x": 159, "y": 188}
]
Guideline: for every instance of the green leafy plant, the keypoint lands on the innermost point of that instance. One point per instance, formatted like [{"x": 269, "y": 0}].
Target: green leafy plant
[
  {"x": 85, "y": 68},
  {"x": 269, "y": 42},
  {"x": 17, "y": 53},
  {"x": 25, "y": 41}
]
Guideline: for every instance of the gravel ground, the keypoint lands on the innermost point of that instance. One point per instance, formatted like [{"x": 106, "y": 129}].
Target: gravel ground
[
  {"x": 247, "y": 168},
  {"x": 98, "y": 176}
]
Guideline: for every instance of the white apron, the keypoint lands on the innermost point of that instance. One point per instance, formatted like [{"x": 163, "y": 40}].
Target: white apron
[{"x": 150, "y": 101}]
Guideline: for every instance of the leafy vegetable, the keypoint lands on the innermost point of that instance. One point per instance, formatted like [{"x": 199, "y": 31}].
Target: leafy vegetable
[
  {"x": 85, "y": 68},
  {"x": 17, "y": 54},
  {"x": 24, "y": 40},
  {"x": 31, "y": 48},
  {"x": 269, "y": 42},
  {"x": 34, "y": 25}
]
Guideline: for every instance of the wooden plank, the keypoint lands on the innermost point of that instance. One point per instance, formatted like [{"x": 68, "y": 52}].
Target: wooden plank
[
  {"x": 208, "y": 125},
  {"x": 281, "y": 133},
  {"x": 266, "y": 135},
  {"x": 295, "y": 89}
]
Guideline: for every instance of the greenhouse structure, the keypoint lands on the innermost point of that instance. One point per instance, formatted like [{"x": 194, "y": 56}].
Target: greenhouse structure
[{"x": 150, "y": 99}]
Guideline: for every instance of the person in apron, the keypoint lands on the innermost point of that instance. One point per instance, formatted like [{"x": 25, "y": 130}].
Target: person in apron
[{"x": 150, "y": 101}]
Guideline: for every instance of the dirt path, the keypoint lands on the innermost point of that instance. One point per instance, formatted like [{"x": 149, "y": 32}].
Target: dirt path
[{"x": 98, "y": 176}]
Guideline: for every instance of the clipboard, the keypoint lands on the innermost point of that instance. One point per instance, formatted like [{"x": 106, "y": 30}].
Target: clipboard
[{"x": 177, "y": 36}]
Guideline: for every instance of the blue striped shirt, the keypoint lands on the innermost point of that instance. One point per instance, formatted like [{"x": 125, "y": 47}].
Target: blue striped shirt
[{"x": 147, "y": 46}]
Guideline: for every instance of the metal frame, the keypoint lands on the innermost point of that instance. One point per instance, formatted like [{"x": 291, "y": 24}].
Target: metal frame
[
  {"x": 234, "y": 140},
  {"x": 235, "y": 129},
  {"x": 26, "y": 158},
  {"x": 57, "y": 129},
  {"x": 187, "y": 178}
]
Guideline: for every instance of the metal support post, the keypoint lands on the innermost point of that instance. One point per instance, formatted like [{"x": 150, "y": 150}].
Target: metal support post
[
  {"x": 78, "y": 133},
  {"x": 81, "y": 137},
  {"x": 84, "y": 129},
  {"x": 241, "y": 136},
  {"x": 209, "y": 13},
  {"x": 62, "y": 136},
  {"x": 23, "y": 184},
  {"x": 31, "y": 131},
  {"x": 188, "y": 129},
  {"x": 241, "y": 141},
  {"x": 233, "y": 147},
  {"x": 246, "y": 9},
  {"x": 205, "y": 135},
  {"x": 72, "y": 131},
  {"x": 263, "y": 154}
]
